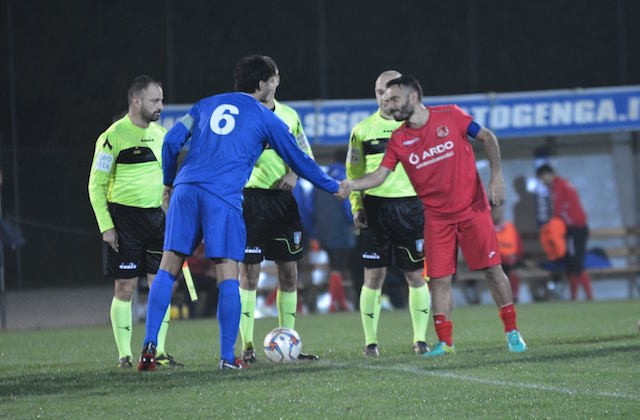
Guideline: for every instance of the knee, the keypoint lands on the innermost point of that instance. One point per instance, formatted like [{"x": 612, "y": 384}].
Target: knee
[
  {"x": 374, "y": 277},
  {"x": 415, "y": 278},
  {"x": 288, "y": 276},
  {"x": 124, "y": 289},
  {"x": 250, "y": 273}
]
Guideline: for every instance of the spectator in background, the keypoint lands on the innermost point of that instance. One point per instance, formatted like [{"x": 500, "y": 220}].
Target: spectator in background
[
  {"x": 333, "y": 222},
  {"x": 334, "y": 233},
  {"x": 510, "y": 245},
  {"x": 566, "y": 206}
]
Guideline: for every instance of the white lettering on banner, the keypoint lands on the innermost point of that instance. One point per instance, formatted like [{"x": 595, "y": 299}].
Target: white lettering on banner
[
  {"x": 522, "y": 115},
  {"x": 480, "y": 114},
  {"x": 541, "y": 114},
  {"x": 499, "y": 117},
  {"x": 634, "y": 108},
  {"x": 561, "y": 113},
  {"x": 337, "y": 124},
  {"x": 583, "y": 112},
  {"x": 606, "y": 111},
  {"x": 334, "y": 124}
]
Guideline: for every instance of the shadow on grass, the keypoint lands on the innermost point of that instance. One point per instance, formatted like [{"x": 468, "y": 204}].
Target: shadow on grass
[{"x": 79, "y": 381}]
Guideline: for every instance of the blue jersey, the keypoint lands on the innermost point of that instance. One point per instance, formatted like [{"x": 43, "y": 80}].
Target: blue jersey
[{"x": 228, "y": 133}]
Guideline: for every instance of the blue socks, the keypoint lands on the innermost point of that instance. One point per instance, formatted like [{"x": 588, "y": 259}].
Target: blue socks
[
  {"x": 157, "y": 304},
  {"x": 228, "y": 317}
]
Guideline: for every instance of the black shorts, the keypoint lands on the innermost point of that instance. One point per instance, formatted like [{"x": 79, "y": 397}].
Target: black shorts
[
  {"x": 140, "y": 239},
  {"x": 576, "y": 248},
  {"x": 274, "y": 228},
  {"x": 395, "y": 233}
]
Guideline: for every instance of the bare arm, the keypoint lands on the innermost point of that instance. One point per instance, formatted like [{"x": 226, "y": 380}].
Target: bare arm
[
  {"x": 370, "y": 180},
  {"x": 495, "y": 190}
]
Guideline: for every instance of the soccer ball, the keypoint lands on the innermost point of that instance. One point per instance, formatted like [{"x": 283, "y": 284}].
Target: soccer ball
[{"x": 282, "y": 345}]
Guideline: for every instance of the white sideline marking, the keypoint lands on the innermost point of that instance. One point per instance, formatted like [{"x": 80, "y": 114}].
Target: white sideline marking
[{"x": 466, "y": 378}]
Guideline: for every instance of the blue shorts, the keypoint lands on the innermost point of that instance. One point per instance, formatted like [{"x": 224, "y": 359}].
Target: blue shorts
[{"x": 195, "y": 214}]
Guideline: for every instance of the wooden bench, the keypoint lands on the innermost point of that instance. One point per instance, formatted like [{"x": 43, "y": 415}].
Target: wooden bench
[{"x": 621, "y": 245}]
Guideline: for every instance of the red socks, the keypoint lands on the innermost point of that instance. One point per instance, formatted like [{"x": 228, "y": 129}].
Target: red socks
[
  {"x": 586, "y": 283},
  {"x": 582, "y": 278},
  {"x": 508, "y": 317},
  {"x": 444, "y": 329}
]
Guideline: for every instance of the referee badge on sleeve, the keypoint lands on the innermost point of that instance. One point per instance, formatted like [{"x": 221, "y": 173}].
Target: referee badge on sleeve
[{"x": 297, "y": 238}]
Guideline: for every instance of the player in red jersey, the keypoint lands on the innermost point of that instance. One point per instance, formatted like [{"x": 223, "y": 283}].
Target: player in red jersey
[
  {"x": 434, "y": 150},
  {"x": 566, "y": 206}
]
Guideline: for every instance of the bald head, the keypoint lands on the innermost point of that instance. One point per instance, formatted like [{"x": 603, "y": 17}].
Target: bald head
[{"x": 381, "y": 86}]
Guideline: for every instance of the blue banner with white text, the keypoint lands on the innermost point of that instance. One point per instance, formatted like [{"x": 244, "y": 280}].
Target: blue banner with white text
[{"x": 508, "y": 115}]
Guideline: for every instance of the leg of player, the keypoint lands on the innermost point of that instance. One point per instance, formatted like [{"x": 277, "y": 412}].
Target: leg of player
[
  {"x": 442, "y": 299},
  {"x": 249, "y": 275},
  {"x": 419, "y": 308},
  {"x": 501, "y": 293},
  {"x": 229, "y": 308},
  {"x": 157, "y": 305},
  {"x": 287, "y": 298},
  {"x": 370, "y": 308},
  {"x": 121, "y": 319},
  {"x": 163, "y": 358}
]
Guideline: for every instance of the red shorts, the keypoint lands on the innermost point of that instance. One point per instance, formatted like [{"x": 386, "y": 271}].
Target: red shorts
[{"x": 476, "y": 237}]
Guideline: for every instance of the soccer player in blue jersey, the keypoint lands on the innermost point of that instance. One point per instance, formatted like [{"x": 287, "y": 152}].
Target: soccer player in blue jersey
[{"x": 228, "y": 133}]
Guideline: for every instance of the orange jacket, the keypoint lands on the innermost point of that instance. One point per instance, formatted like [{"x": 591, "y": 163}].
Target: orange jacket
[
  {"x": 509, "y": 242},
  {"x": 552, "y": 238}
]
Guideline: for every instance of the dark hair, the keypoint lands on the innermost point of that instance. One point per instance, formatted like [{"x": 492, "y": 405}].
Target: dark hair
[
  {"x": 407, "y": 81},
  {"x": 139, "y": 84},
  {"x": 544, "y": 169},
  {"x": 251, "y": 70}
]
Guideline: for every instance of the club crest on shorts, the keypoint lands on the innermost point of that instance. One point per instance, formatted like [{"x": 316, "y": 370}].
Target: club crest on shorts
[
  {"x": 442, "y": 131},
  {"x": 420, "y": 245},
  {"x": 297, "y": 238}
]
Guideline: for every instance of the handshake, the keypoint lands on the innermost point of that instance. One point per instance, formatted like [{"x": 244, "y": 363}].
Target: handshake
[{"x": 344, "y": 190}]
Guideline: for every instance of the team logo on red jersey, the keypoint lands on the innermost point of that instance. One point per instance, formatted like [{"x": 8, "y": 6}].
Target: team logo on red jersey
[{"x": 442, "y": 131}]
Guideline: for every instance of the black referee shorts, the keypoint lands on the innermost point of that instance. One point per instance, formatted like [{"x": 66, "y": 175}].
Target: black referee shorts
[
  {"x": 395, "y": 233},
  {"x": 140, "y": 239},
  {"x": 274, "y": 228}
]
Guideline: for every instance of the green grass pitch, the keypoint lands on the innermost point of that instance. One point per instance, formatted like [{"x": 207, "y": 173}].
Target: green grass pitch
[{"x": 583, "y": 361}]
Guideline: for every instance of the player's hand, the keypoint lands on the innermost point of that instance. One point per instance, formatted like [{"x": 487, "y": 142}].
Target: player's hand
[
  {"x": 111, "y": 238},
  {"x": 360, "y": 219},
  {"x": 344, "y": 190},
  {"x": 287, "y": 182},
  {"x": 496, "y": 191},
  {"x": 166, "y": 195}
]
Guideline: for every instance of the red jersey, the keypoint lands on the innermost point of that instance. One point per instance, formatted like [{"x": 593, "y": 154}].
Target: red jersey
[
  {"x": 566, "y": 203},
  {"x": 440, "y": 163}
]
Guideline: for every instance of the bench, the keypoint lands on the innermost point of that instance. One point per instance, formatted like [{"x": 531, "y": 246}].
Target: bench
[{"x": 621, "y": 245}]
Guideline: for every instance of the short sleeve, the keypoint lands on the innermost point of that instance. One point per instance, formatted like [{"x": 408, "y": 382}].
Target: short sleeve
[
  {"x": 390, "y": 159},
  {"x": 462, "y": 119}
]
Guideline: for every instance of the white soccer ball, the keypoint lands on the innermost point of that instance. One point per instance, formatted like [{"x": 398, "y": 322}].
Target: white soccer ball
[{"x": 282, "y": 345}]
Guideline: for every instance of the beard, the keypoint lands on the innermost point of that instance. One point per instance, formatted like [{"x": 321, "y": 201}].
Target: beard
[
  {"x": 403, "y": 113},
  {"x": 149, "y": 115}
]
